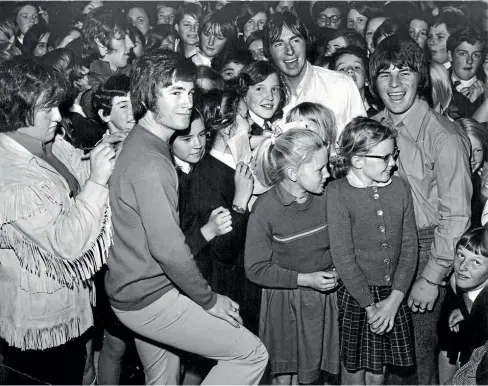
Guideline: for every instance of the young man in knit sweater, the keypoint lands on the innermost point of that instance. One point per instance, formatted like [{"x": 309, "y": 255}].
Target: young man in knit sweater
[
  {"x": 434, "y": 159},
  {"x": 153, "y": 282}
]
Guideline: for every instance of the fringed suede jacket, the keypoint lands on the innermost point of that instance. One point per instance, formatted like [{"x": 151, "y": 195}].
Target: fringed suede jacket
[{"x": 50, "y": 246}]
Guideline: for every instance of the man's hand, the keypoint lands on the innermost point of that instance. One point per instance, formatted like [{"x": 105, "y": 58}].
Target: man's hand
[
  {"x": 226, "y": 309},
  {"x": 423, "y": 296}
]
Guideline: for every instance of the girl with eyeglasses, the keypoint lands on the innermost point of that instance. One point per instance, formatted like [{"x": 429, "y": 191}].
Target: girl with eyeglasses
[{"x": 374, "y": 247}]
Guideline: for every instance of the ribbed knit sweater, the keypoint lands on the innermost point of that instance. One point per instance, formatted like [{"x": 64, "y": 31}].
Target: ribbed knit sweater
[
  {"x": 149, "y": 256},
  {"x": 285, "y": 238},
  {"x": 373, "y": 236}
]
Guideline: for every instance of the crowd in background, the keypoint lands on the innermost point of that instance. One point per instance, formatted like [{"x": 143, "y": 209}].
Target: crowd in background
[{"x": 313, "y": 171}]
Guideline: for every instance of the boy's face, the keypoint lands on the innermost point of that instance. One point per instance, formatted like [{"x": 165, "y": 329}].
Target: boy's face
[
  {"x": 352, "y": 66},
  {"x": 329, "y": 17},
  {"x": 119, "y": 53},
  {"x": 121, "y": 114},
  {"x": 397, "y": 88},
  {"x": 174, "y": 105},
  {"x": 466, "y": 59},
  {"x": 289, "y": 53},
  {"x": 436, "y": 43},
  {"x": 470, "y": 270}
]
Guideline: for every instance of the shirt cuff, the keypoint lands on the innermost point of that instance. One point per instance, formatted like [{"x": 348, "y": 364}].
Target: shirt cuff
[{"x": 435, "y": 273}]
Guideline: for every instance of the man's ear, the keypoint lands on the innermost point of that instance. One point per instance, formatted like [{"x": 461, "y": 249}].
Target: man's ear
[
  {"x": 177, "y": 29},
  {"x": 291, "y": 173},
  {"x": 449, "y": 55},
  {"x": 101, "y": 48},
  {"x": 103, "y": 117}
]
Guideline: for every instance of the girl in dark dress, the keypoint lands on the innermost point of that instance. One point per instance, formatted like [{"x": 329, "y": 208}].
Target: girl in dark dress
[{"x": 219, "y": 182}]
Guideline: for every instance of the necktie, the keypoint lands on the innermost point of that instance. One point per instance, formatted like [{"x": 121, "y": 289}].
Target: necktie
[
  {"x": 468, "y": 302},
  {"x": 266, "y": 126}
]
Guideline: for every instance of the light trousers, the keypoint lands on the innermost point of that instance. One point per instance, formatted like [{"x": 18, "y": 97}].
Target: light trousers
[{"x": 175, "y": 321}]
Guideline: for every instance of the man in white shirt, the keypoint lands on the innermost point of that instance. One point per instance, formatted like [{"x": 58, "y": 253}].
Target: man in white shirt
[{"x": 285, "y": 44}]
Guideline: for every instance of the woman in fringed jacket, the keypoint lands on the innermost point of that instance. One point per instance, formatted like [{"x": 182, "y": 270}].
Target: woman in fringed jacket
[{"x": 55, "y": 227}]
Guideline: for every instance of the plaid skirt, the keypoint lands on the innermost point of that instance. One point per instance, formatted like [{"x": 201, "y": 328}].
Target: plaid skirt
[{"x": 361, "y": 349}]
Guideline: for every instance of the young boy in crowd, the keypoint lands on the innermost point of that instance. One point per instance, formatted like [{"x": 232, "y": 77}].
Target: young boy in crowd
[
  {"x": 470, "y": 283},
  {"x": 443, "y": 26},
  {"x": 466, "y": 50},
  {"x": 353, "y": 62}
]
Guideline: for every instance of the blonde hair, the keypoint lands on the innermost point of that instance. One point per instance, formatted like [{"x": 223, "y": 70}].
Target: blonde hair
[
  {"x": 321, "y": 115},
  {"x": 292, "y": 148},
  {"x": 441, "y": 91}
]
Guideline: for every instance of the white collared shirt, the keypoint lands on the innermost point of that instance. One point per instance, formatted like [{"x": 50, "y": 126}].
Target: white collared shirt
[
  {"x": 464, "y": 83},
  {"x": 77, "y": 109},
  {"x": 258, "y": 120},
  {"x": 472, "y": 295},
  {"x": 182, "y": 165},
  {"x": 201, "y": 60},
  {"x": 332, "y": 89}
]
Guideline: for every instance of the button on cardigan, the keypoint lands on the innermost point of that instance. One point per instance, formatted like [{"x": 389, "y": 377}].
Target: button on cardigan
[{"x": 373, "y": 236}]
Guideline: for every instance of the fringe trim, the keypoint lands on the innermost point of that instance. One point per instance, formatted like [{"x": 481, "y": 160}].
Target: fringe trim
[
  {"x": 426, "y": 236},
  {"x": 42, "y": 338},
  {"x": 66, "y": 272},
  {"x": 22, "y": 201}
]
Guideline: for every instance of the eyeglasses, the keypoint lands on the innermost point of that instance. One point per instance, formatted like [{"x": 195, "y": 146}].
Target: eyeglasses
[
  {"x": 386, "y": 158},
  {"x": 333, "y": 19}
]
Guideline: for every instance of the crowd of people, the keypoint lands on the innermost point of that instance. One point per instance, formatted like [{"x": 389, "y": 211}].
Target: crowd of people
[{"x": 240, "y": 192}]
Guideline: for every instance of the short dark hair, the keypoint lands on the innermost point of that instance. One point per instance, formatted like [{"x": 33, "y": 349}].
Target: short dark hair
[
  {"x": 231, "y": 55},
  {"x": 399, "y": 51},
  {"x": 26, "y": 86},
  {"x": 255, "y": 35},
  {"x": 475, "y": 240},
  {"x": 152, "y": 71},
  {"x": 219, "y": 19},
  {"x": 248, "y": 11},
  {"x": 115, "y": 86},
  {"x": 469, "y": 34},
  {"x": 321, "y": 6},
  {"x": 32, "y": 37},
  {"x": 103, "y": 23},
  {"x": 274, "y": 27},
  {"x": 257, "y": 72},
  {"x": 453, "y": 20},
  {"x": 351, "y": 50},
  {"x": 389, "y": 27}
]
